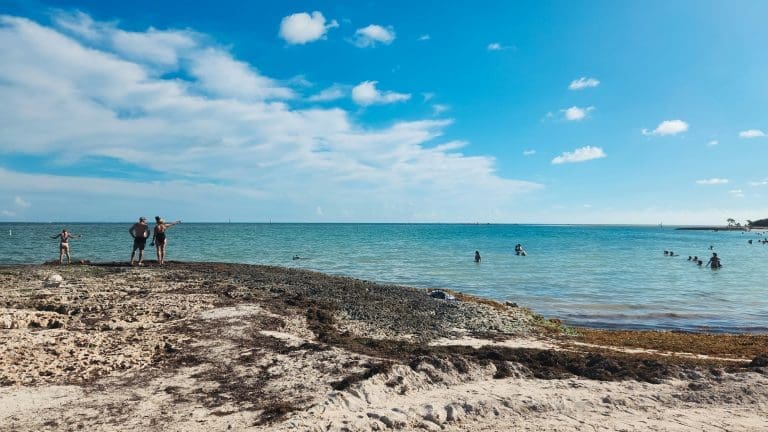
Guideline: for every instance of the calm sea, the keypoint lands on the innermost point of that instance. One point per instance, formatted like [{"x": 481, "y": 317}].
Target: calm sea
[{"x": 599, "y": 276}]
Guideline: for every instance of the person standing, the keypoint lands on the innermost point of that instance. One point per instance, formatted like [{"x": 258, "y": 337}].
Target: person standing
[
  {"x": 714, "y": 262},
  {"x": 140, "y": 232},
  {"x": 159, "y": 238},
  {"x": 64, "y": 235},
  {"x": 477, "y": 256}
]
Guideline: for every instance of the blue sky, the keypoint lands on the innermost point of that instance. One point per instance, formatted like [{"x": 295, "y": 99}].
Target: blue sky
[{"x": 513, "y": 112}]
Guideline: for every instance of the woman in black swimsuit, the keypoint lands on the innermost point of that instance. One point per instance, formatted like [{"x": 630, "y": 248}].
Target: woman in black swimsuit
[
  {"x": 64, "y": 235},
  {"x": 159, "y": 239}
]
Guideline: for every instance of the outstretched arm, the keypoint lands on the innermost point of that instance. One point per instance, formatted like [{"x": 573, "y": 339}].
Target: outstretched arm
[{"x": 56, "y": 236}]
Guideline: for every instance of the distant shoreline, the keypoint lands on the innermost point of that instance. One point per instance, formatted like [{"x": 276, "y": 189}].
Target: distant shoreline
[{"x": 718, "y": 228}]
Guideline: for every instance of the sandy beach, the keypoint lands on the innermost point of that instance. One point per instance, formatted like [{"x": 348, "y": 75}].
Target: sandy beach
[{"x": 200, "y": 346}]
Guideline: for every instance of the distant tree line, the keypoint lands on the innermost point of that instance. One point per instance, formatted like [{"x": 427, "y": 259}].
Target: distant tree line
[{"x": 762, "y": 223}]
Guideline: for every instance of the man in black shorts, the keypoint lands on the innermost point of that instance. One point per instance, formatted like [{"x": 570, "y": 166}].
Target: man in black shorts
[{"x": 140, "y": 232}]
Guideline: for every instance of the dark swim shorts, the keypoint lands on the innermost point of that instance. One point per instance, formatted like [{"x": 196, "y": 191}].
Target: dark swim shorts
[{"x": 139, "y": 243}]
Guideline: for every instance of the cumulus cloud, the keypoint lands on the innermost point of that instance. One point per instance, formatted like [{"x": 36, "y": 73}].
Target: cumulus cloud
[
  {"x": 751, "y": 133},
  {"x": 373, "y": 34},
  {"x": 332, "y": 93},
  {"x": 713, "y": 181},
  {"x": 20, "y": 202},
  {"x": 438, "y": 109},
  {"x": 366, "y": 94},
  {"x": 738, "y": 193},
  {"x": 18, "y": 205},
  {"x": 217, "y": 129},
  {"x": 582, "y": 154},
  {"x": 575, "y": 113},
  {"x": 583, "y": 82},
  {"x": 713, "y": 143},
  {"x": 494, "y": 46},
  {"x": 763, "y": 182},
  {"x": 221, "y": 75},
  {"x": 668, "y": 127},
  {"x": 301, "y": 28},
  {"x": 158, "y": 47},
  {"x": 529, "y": 152}
]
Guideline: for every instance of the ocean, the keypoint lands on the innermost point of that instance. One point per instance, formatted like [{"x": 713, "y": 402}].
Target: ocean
[{"x": 597, "y": 276}]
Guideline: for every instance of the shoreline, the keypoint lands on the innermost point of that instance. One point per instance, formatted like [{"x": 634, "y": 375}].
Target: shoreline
[
  {"x": 700, "y": 329},
  {"x": 208, "y": 346}
]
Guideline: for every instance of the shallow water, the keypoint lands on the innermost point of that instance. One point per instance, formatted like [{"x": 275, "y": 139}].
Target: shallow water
[{"x": 601, "y": 276}]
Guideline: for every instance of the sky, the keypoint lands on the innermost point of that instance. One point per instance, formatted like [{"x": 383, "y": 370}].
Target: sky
[{"x": 603, "y": 112}]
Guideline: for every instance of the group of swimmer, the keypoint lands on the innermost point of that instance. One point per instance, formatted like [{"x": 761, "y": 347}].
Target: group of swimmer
[
  {"x": 140, "y": 233},
  {"x": 713, "y": 263},
  {"x": 518, "y": 251}
]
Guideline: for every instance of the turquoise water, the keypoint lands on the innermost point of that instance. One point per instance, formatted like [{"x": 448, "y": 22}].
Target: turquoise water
[{"x": 601, "y": 276}]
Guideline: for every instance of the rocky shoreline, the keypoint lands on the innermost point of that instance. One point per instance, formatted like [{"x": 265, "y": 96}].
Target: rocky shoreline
[{"x": 206, "y": 346}]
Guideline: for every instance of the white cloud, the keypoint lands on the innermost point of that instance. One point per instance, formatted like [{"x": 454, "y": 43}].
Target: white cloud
[
  {"x": 738, "y": 193},
  {"x": 575, "y": 113},
  {"x": 301, "y": 28},
  {"x": 366, "y": 94},
  {"x": 438, "y": 109},
  {"x": 583, "y": 83},
  {"x": 153, "y": 46},
  {"x": 222, "y": 132},
  {"x": 425, "y": 37},
  {"x": 495, "y": 46},
  {"x": 7, "y": 213},
  {"x": 221, "y": 75},
  {"x": 332, "y": 93},
  {"x": 373, "y": 34},
  {"x": 20, "y": 202},
  {"x": 751, "y": 133},
  {"x": 582, "y": 154},
  {"x": 79, "y": 23},
  {"x": 529, "y": 152},
  {"x": 759, "y": 183},
  {"x": 713, "y": 181},
  {"x": 668, "y": 127},
  {"x": 713, "y": 143},
  {"x": 161, "y": 48}
]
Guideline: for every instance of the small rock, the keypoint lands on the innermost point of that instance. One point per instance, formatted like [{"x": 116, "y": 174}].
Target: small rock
[
  {"x": 53, "y": 281},
  {"x": 511, "y": 304},
  {"x": 442, "y": 295},
  {"x": 759, "y": 361}
]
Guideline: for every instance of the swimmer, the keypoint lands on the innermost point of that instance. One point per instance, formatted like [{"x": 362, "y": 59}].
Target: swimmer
[
  {"x": 714, "y": 262},
  {"x": 477, "y": 256}
]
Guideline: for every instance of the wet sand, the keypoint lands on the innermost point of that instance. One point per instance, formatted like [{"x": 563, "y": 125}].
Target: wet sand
[{"x": 202, "y": 346}]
